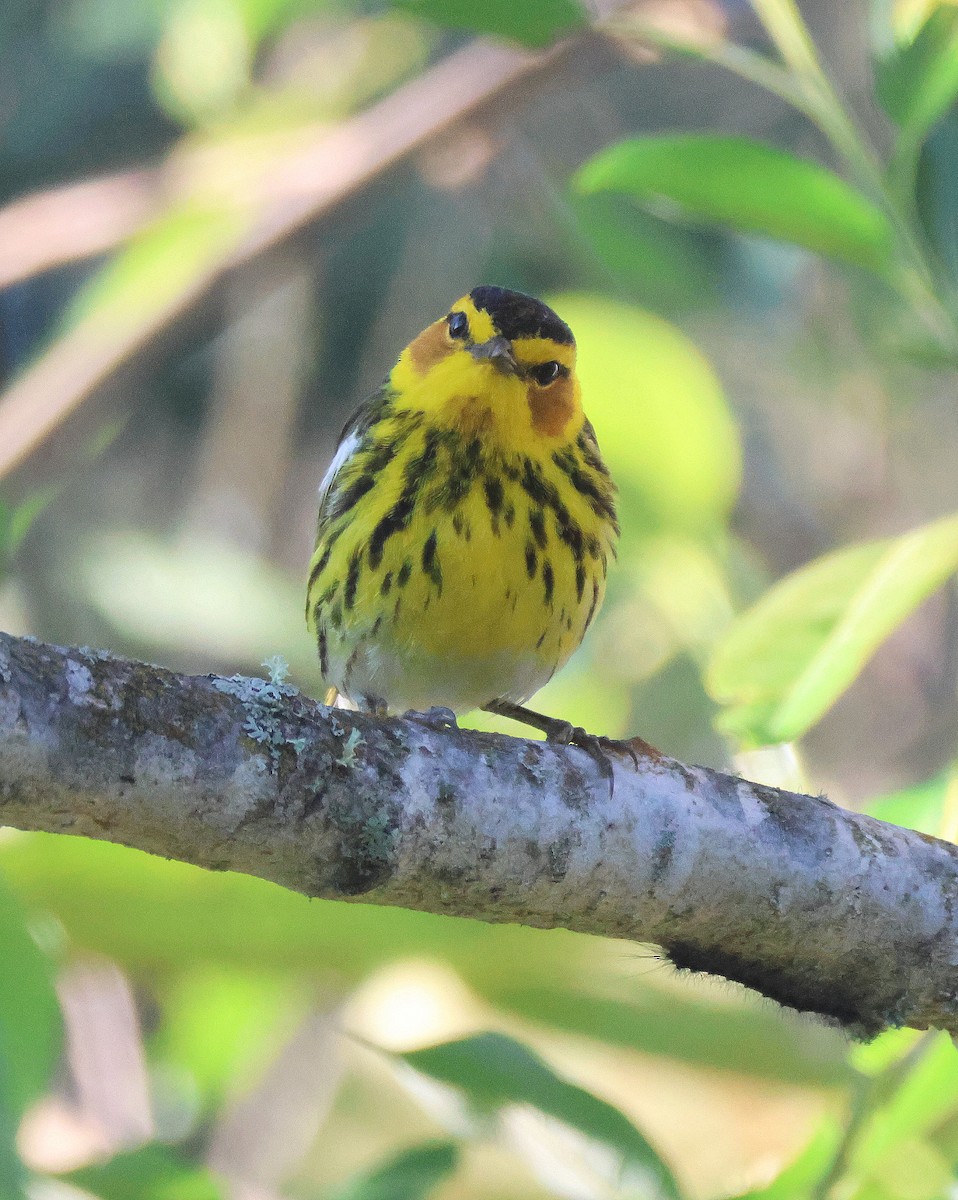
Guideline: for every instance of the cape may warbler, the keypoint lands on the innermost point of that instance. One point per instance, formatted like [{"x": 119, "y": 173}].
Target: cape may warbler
[{"x": 466, "y": 522}]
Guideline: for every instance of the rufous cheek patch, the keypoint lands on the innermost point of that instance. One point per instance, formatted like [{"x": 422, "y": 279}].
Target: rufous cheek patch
[
  {"x": 430, "y": 348},
  {"x": 552, "y": 407},
  {"x": 474, "y": 416}
]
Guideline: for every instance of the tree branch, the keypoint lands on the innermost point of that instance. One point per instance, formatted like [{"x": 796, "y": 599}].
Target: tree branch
[
  {"x": 263, "y": 197},
  {"x": 818, "y": 908}
]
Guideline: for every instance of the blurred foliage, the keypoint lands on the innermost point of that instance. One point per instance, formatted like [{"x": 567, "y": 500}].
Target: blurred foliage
[
  {"x": 748, "y": 186},
  {"x": 408, "y": 1176},
  {"x": 496, "y": 1074},
  {"x": 917, "y": 84},
  {"x": 150, "y": 1173},
  {"x": 783, "y": 537},
  {"x": 15, "y": 522},
  {"x": 30, "y": 1034},
  {"x": 29, "y": 1014},
  {"x": 536, "y": 23},
  {"x": 785, "y": 661}
]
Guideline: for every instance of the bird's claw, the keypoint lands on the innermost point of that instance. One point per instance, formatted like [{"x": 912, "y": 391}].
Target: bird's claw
[
  {"x": 599, "y": 748},
  {"x": 436, "y": 718},
  {"x": 574, "y": 735}
]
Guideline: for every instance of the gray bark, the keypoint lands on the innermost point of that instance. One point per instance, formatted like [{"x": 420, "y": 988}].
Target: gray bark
[{"x": 818, "y": 908}]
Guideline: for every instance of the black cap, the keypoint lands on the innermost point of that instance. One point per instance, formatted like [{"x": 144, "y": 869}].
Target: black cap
[{"x": 515, "y": 314}]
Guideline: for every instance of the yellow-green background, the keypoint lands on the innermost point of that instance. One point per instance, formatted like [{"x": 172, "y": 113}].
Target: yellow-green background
[{"x": 770, "y": 359}]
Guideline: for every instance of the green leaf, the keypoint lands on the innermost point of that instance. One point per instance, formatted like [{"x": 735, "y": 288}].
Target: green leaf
[
  {"x": 30, "y": 1034},
  {"x": 16, "y": 520},
  {"x": 918, "y": 82},
  {"x": 661, "y": 265},
  {"x": 150, "y": 1173},
  {"x": 495, "y": 1072},
  {"x": 30, "y": 1024},
  {"x": 13, "y": 1176},
  {"x": 534, "y": 22},
  {"x": 785, "y": 662},
  {"x": 751, "y": 187},
  {"x": 411, "y": 1175},
  {"x": 22, "y": 517}
]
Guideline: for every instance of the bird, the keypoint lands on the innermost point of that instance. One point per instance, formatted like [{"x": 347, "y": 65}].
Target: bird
[{"x": 467, "y": 522}]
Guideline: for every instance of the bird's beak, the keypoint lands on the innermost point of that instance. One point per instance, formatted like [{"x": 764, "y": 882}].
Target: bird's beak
[{"x": 498, "y": 351}]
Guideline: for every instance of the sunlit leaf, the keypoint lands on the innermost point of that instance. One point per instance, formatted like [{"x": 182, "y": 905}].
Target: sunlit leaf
[
  {"x": 534, "y": 22},
  {"x": 915, "y": 1169},
  {"x": 495, "y": 1072},
  {"x": 918, "y": 82},
  {"x": 787, "y": 660},
  {"x": 659, "y": 413},
  {"x": 411, "y": 1175},
  {"x": 193, "y": 84},
  {"x": 749, "y": 186},
  {"x": 905, "y": 17},
  {"x": 150, "y": 1173}
]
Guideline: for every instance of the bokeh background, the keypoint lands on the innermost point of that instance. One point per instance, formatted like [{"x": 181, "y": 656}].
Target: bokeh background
[{"x": 220, "y": 220}]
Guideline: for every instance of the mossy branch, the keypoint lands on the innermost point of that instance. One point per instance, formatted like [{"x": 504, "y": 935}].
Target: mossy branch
[{"x": 820, "y": 909}]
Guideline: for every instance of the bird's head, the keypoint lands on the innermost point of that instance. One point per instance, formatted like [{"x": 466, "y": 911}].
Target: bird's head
[{"x": 499, "y": 365}]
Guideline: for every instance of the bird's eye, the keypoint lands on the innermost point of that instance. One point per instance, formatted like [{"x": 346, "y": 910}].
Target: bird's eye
[
  {"x": 546, "y": 373},
  {"x": 458, "y": 324}
]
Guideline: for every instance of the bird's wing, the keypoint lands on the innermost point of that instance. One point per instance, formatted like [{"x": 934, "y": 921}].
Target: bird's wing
[{"x": 350, "y": 440}]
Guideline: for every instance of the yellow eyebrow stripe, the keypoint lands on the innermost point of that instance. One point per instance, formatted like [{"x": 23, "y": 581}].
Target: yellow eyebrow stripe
[{"x": 539, "y": 349}]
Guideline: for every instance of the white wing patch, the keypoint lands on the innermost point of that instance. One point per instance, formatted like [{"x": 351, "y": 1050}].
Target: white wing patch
[{"x": 344, "y": 451}]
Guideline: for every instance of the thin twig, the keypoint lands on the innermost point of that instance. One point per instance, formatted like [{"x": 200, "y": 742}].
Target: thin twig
[{"x": 74, "y": 221}]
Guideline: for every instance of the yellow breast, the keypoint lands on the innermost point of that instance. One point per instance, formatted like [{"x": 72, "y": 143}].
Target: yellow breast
[
  {"x": 463, "y": 576},
  {"x": 467, "y": 522}
]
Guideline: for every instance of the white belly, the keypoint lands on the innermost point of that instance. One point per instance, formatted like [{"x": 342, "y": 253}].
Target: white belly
[{"x": 410, "y": 678}]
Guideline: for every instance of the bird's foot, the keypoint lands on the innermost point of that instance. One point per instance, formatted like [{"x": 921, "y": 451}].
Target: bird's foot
[
  {"x": 435, "y": 718},
  {"x": 575, "y": 735},
  {"x": 599, "y": 748},
  {"x": 563, "y": 733}
]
